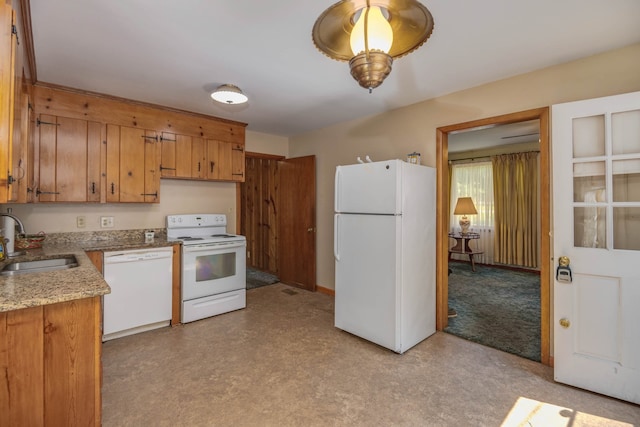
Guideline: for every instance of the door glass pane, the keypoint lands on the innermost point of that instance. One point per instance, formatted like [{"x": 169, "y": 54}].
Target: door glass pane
[
  {"x": 625, "y": 132},
  {"x": 588, "y": 136},
  {"x": 589, "y": 182},
  {"x": 589, "y": 227},
  {"x": 626, "y": 180},
  {"x": 626, "y": 228}
]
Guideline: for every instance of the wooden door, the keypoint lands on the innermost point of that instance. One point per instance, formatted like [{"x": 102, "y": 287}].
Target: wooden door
[
  {"x": 596, "y": 199},
  {"x": 8, "y": 42},
  {"x": 152, "y": 154},
  {"x": 113, "y": 164},
  {"x": 132, "y": 146},
  {"x": 94, "y": 161},
  {"x": 212, "y": 164},
  {"x": 183, "y": 156},
  {"x": 237, "y": 162},
  {"x": 72, "y": 351},
  {"x": 69, "y": 159},
  {"x": 168, "y": 154},
  {"x": 21, "y": 356},
  {"x": 297, "y": 222},
  {"x": 198, "y": 158},
  {"x": 258, "y": 211}
]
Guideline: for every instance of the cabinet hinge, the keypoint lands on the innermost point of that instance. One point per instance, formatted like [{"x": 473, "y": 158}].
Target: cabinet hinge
[
  {"x": 162, "y": 168},
  {"x": 147, "y": 137},
  {"x": 14, "y": 31},
  {"x": 163, "y": 139}
]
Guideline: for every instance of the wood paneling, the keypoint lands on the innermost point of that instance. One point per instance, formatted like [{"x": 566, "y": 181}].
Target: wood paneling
[
  {"x": 259, "y": 195},
  {"x": 21, "y": 355},
  {"x": 50, "y": 364},
  {"x": 68, "y": 102},
  {"x": 70, "y": 356},
  {"x": 113, "y": 164}
]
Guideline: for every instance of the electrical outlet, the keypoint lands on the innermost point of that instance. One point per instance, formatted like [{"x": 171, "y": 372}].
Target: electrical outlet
[
  {"x": 81, "y": 221},
  {"x": 106, "y": 221}
]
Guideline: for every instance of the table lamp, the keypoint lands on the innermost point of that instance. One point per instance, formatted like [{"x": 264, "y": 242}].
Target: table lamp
[{"x": 464, "y": 207}]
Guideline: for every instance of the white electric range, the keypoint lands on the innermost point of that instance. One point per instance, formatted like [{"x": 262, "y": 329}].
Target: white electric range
[{"x": 213, "y": 265}]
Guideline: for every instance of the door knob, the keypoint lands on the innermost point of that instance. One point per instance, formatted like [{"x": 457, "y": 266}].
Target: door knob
[{"x": 565, "y": 323}]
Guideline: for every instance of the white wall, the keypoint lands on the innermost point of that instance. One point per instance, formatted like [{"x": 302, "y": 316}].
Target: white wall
[
  {"x": 268, "y": 144},
  {"x": 176, "y": 196},
  {"x": 413, "y": 128}
]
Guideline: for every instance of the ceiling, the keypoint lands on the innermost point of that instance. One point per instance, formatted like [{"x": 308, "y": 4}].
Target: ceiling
[{"x": 174, "y": 53}]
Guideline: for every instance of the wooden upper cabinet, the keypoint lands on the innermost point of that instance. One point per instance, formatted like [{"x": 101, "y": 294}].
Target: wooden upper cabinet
[
  {"x": 168, "y": 155},
  {"x": 176, "y": 159},
  {"x": 133, "y": 165},
  {"x": 225, "y": 161},
  {"x": 7, "y": 93},
  {"x": 189, "y": 157},
  {"x": 123, "y": 148},
  {"x": 237, "y": 161},
  {"x": 198, "y": 158},
  {"x": 69, "y": 160}
]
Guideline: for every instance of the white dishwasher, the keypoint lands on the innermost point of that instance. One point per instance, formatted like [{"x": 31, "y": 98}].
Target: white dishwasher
[{"x": 140, "y": 298}]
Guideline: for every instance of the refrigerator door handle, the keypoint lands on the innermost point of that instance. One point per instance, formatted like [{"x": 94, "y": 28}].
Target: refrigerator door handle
[
  {"x": 336, "y": 221},
  {"x": 337, "y": 189}
]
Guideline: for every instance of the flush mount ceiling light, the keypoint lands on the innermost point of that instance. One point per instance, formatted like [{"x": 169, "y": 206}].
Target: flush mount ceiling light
[
  {"x": 229, "y": 94},
  {"x": 369, "y": 34}
]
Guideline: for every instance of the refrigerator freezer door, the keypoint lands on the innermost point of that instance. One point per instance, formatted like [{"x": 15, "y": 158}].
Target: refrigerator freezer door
[
  {"x": 372, "y": 188},
  {"x": 367, "y": 289}
]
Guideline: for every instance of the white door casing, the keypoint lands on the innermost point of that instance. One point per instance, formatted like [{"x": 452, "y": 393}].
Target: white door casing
[{"x": 596, "y": 224}]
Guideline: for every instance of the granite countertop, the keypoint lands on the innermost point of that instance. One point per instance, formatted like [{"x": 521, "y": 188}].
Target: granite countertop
[{"x": 85, "y": 281}]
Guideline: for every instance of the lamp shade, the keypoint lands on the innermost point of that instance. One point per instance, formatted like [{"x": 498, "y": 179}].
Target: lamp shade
[
  {"x": 465, "y": 206},
  {"x": 229, "y": 94}
]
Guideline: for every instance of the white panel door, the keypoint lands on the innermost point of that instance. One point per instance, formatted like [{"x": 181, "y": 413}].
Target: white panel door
[
  {"x": 367, "y": 288},
  {"x": 596, "y": 224}
]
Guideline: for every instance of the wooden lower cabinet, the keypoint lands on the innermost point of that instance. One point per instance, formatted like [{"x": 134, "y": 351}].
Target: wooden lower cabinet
[{"x": 50, "y": 360}]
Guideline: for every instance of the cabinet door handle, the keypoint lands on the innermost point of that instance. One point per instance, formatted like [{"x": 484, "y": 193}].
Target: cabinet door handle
[
  {"x": 93, "y": 188},
  {"x": 150, "y": 194},
  {"x": 113, "y": 188},
  {"x": 212, "y": 164},
  {"x": 198, "y": 166}
]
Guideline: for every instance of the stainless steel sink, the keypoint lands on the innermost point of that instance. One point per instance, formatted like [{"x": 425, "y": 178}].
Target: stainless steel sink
[{"x": 60, "y": 262}]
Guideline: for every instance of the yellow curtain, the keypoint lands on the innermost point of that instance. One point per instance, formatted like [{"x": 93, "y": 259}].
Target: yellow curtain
[{"x": 515, "y": 192}]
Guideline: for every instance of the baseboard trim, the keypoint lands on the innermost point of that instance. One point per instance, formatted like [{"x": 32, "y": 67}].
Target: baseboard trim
[{"x": 326, "y": 291}]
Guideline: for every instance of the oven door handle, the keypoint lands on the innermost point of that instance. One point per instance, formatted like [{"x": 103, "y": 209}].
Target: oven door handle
[{"x": 212, "y": 248}]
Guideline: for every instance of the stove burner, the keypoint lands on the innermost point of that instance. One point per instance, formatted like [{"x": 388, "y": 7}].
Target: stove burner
[
  {"x": 189, "y": 238},
  {"x": 224, "y": 236}
]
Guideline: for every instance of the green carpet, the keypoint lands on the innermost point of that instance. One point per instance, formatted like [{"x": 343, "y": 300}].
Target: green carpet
[
  {"x": 496, "y": 307},
  {"x": 257, "y": 278}
]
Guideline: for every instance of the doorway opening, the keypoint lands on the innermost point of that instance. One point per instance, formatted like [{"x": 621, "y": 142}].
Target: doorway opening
[{"x": 445, "y": 135}]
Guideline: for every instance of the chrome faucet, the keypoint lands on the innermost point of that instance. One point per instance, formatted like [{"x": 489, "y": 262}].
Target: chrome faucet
[
  {"x": 16, "y": 219},
  {"x": 9, "y": 234}
]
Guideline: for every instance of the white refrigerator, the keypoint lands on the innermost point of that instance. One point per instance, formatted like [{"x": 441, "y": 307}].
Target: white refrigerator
[{"x": 384, "y": 248}]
